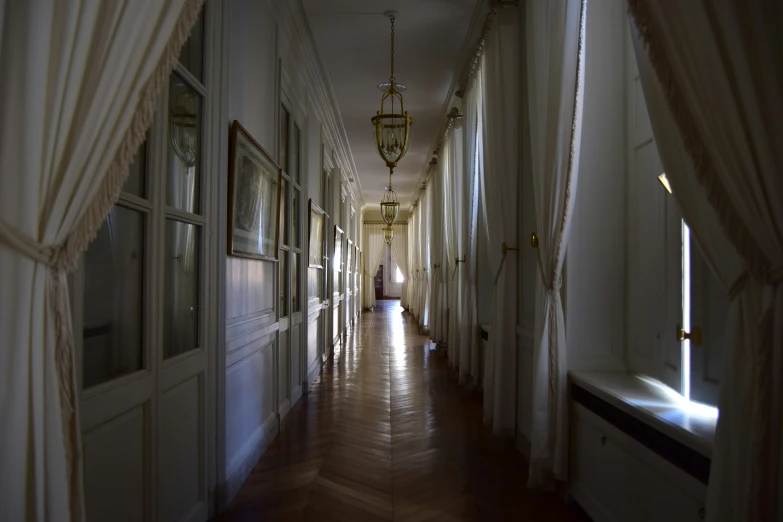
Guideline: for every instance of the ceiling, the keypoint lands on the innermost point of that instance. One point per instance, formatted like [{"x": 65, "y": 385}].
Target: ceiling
[{"x": 353, "y": 41}]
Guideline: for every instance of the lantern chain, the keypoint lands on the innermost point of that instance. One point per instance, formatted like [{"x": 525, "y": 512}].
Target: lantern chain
[{"x": 391, "y": 78}]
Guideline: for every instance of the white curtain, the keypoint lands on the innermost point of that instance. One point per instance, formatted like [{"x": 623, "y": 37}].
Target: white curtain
[
  {"x": 469, "y": 368},
  {"x": 374, "y": 241},
  {"x": 453, "y": 243},
  {"x": 436, "y": 252},
  {"x": 399, "y": 248},
  {"x": 554, "y": 39},
  {"x": 78, "y": 82},
  {"x": 716, "y": 89},
  {"x": 413, "y": 248},
  {"x": 498, "y": 151}
]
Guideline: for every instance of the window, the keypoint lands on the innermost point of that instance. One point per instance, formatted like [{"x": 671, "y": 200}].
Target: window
[
  {"x": 290, "y": 233},
  {"x": 398, "y": 276},
  {"x": 670, "y": 287}
]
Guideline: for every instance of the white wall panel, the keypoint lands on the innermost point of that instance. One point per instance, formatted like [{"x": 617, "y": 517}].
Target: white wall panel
[
  {"x": 249, "y": 397},
  {"x": 115, "y": 458},
  {"x": 180, "y": 444}
]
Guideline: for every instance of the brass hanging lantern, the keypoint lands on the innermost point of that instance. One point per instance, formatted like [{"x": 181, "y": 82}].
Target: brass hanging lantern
[
  {"x": 388, "y": 234},
  {"x": 392, "y": 123},
  {"x": 390, "y": 205},
  {"x": 183, "y": 125}
]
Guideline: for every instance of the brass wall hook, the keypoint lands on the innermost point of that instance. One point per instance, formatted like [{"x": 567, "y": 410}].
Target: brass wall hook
[{"x": 534, "y": 240}]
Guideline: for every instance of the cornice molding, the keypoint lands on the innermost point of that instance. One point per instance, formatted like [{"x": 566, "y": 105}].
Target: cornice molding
[{"x": 300, "y": 42}]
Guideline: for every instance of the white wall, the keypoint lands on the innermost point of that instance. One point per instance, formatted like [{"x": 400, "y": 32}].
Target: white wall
[
  {"x": 268, "y": 41},
  {"x": 595, "y": 260},
  {"x": 251, "y": 322}
]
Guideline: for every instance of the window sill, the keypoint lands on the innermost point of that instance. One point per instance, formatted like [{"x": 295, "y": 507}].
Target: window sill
[{"x": 653, "y": 404}]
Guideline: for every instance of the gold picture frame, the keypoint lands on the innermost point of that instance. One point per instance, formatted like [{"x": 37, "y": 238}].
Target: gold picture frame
[
  {"x": 254, "y": 181},
  {"x": 315, "y": 226},
  {"x": 338, "y": 249}
]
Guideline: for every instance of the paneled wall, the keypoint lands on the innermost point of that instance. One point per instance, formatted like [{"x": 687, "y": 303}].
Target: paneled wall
[
  {"x": 251, "y": 315},
  {"x": 270, "y": 51}
]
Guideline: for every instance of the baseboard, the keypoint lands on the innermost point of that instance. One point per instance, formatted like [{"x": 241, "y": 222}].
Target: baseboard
[
  {"x": 296, "y": 394},
  {"x": 245, "y": 460},
  {"x": 284, "y": 408}
]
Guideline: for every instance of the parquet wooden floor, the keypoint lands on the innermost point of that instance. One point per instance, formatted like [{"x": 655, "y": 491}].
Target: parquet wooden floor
[{"x": 386, "y": 433}]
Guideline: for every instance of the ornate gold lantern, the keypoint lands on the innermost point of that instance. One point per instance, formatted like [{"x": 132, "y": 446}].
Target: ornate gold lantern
[
  {"x": 388, "y": 234},
  {"x": 390, "y": 205},
  {"x": 183, "y": 125},
  {"x": 392, "y": 123}
]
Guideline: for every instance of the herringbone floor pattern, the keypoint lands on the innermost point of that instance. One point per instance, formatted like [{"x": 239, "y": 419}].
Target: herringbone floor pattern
[{"x": 386, "y": 433}]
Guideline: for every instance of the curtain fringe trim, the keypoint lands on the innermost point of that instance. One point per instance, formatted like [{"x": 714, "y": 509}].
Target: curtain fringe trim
[
  {"x": 87, "y": 227},
  {"x": 757, "y": 263}
]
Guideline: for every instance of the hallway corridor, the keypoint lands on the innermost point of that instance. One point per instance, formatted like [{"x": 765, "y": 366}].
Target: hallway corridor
[{"x": 387, "y": 434}]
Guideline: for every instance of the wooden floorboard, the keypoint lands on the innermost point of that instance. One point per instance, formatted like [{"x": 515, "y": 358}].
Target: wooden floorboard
[{"x": 387, "y": 434}]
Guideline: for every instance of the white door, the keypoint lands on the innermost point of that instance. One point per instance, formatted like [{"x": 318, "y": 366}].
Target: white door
[{"x": 139, "y": 313}]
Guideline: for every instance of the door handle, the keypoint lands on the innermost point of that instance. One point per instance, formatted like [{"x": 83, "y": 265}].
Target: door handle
[{"x": 695, "y": 335}]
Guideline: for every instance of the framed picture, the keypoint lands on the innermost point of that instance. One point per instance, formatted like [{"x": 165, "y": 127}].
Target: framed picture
[
  {"x": 316, "y": 235},
  {"x": 349, "y": 256},
  {"x": 253, "y": 198},
  {"x": 338, "y": 248},
  {"x": 356, "y": 259}
]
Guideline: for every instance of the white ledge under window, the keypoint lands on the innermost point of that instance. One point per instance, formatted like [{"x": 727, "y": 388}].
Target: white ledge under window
[{"x": 654, "y": 404}]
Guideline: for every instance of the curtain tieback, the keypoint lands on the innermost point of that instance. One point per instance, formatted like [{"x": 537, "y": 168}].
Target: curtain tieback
[
  {"x": 503, "y": 250},
  {"x": 456, "y": 267},
  {"x": 51, "y": 256}
]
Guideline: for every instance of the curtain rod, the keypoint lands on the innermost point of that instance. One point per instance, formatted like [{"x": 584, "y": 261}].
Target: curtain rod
[
  {"x": 383, "y": 223},
  {"x": 466, "y": 76}
]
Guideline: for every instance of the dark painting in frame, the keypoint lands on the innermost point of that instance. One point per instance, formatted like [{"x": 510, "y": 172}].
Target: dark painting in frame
[
  {"x": 338, "y": 248},
  {"x": 316, "y": 236},
  {"x": 253, "y": 198}
]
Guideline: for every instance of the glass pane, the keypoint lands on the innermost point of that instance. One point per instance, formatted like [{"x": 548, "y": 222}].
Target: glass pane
[
  {"x": 295, "y": 155},
  {"x": 181, "y": 287},
  {"x": 283, "y": 207},
  {"x": 135, "y": 182},
  {"x": 295, "y": 283},
  {"x": 182, "y": 187},
  {"x": 284, "y": 119},
  {"x": 192, "y": 54},
  {"x": 283, "y": 282},
  {"x": 113, "y": 328},
  {"x": 295, "y": 210}
]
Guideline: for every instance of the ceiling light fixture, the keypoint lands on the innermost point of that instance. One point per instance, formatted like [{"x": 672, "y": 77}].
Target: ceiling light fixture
[
  {"x": 392, "y": 124},
  {"x": 390, "y": 205},
  {"x": 388, "y": 234}
]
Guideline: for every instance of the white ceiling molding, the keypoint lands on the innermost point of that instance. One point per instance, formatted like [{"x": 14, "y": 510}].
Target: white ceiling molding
[
  {"x": 298, "y": 44},
  {"x": 352, "y": 39}
]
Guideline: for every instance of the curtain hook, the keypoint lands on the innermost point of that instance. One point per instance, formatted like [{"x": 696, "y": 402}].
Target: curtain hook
[
  {"x": 504, "y": 249},
  {"x": 534, "y": 240}
]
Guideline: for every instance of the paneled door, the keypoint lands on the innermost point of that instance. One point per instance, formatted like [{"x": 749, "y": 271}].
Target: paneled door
[{"x": 139, "y": 308}]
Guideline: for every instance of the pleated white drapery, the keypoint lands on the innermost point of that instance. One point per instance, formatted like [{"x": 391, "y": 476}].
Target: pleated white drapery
[
  {"x": 469, "y": 368},
  {"x": 438, "y": 268},
  {"x": 78, "y": 83},
  {"x": 498, "y": 109},
  {"x": 453, "y": 185},
  {"x": 554, "y": 39},
  {"x": 399, "y": 248},
  {"x": 736, "y": 399},
  {"x": 374, "y": 241},
  {"x": 713, "y": 63}
]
